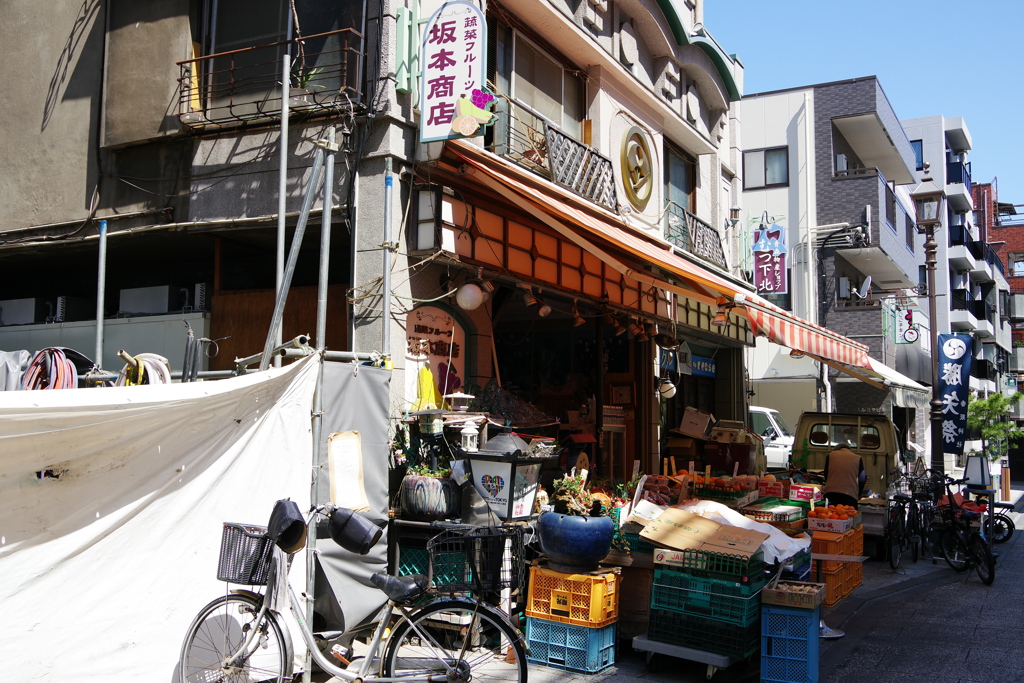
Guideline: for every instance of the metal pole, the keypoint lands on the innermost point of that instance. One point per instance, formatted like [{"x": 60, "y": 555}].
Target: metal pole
[
  {"x": 101, "y": 293},
  {"x": 389, "y": 182},
  {"x": 938, "y": 459},
  {"x": 282, "y": 182},
  {"x": 293, "y": 257},
  {"x": 325, "y": 243}
]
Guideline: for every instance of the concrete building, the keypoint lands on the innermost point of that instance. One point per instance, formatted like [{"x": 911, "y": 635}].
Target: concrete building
[{"x": 837, "y": 171}]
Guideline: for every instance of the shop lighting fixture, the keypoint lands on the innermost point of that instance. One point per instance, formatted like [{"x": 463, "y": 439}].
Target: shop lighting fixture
[
  {"x": 618, "y": 327},
  {"x": 529, "y": 299},
  {"x": 721, "y": 318},
  {"x": 577, "y": 319},
  {"x": 544, "y": 310},
  {"x": 642, "y": 335}
]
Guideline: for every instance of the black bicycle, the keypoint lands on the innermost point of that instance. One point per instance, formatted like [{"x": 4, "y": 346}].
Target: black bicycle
[{"x": 961, "y": 543}]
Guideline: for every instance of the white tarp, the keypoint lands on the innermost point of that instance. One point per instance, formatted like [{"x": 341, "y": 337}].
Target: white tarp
[{"x": 103, "y": 569}]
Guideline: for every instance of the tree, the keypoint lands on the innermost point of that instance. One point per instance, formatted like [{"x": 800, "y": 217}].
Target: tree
[{"x": 989, "y": 416}]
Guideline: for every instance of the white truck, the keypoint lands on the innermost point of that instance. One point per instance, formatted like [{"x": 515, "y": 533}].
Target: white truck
[{"x": 778, "y": 437}]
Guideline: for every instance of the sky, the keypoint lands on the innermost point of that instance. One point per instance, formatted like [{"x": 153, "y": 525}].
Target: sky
[{"x": 930, "y": 56}]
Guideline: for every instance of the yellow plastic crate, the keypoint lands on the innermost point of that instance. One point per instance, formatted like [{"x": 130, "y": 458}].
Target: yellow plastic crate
[{"x": 590, "y": 600}]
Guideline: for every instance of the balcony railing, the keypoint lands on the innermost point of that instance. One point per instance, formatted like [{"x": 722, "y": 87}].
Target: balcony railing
[
  {"x": 993, "y": 259},
  {"x": 982, "y": 310},
  {"x": 959, "y": 172},
  {"x": 960, "y": 236},
  {"x": 244, "y": 86},
  {"x": 691, "y": 234},
  {"x": 531, "y": 141},
  {"x": 984, "y": 369},
  {"x": 958, "y": 300}
]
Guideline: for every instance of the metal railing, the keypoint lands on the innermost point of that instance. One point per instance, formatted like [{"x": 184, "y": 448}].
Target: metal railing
[
  {"x": 959, "y": 172},
  {"x": 993, "y": 259},
  {"x": 243, "y": 86},
  {"x": 693, "y": 235},
  {"x": 982, "y": 310},
  {"x": 958, "y": 300},
  {"x": 533, "y": 142}
]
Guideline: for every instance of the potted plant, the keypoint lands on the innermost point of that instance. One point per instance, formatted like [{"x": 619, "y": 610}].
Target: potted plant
[
  {"x": 427, "y": 493},
  {"x": 578, "y": 533},
  {"x": 302, "y": 85}
]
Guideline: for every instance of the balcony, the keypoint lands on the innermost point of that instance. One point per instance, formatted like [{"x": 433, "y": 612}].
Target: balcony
[
  {"x": 1017, "y": 307},
  {"x": 960, "y": 254},
  {"x": 985, "y": 314},
  {"x": 984, "y": 370},
  {"x": 243, "y": 87},
  {"x": 529, "y": 140},
  {"x": 958, "y": 185},
  {"x": 992, "y": 257},
  {"x": 961, "y": 312},
  {"x": 693, "y": 235},
  {"x": 1017, "y": 359}
]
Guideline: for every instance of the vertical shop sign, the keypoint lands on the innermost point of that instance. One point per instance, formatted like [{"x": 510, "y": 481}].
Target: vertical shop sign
[
  {"x": 453, "y": 100},
  {"x": 955, "y": 354},
  {"x": 906, "y": 328},
  {"x": 770, "y": 260},
  {"x": 435, "y": 340}
]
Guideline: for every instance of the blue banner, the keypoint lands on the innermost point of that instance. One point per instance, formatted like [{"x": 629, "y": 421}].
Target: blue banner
[
  {"x": 706, "y": 367},
  {"x": 955, "y": 355}
]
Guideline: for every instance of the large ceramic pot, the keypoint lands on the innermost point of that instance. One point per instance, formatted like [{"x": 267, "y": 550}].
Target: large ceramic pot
[
  {"x": 572, "y": 543},
  {"x": 426, "y": 499}
]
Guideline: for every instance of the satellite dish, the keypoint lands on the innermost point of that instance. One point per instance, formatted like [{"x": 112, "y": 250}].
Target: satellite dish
[{"x": 865, "y": 288}]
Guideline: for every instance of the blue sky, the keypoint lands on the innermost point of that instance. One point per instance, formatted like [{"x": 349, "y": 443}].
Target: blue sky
[{"x": 931, "y": 57}]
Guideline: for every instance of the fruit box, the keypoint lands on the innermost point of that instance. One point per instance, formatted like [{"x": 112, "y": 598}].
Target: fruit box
[
  {"x": 805, "y": 492},
  {"x": 836, "y": 526},
  {"x": 779, "y": 489},
  {"x": 798, "y": 594}
]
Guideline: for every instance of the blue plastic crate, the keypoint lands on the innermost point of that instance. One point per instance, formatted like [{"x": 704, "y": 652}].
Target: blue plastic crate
[
  {"x": 572, "y": 648},
  {"x": 789, "y": 644}
]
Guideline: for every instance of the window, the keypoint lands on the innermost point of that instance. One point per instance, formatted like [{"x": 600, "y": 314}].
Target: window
[
  {"x": 1017, "y": 264},
  {"x": 679, "y": 181},
  {"x": 918, "y": 146},
  {"x": 547, "y": 88},
  {"x": 766, "y": 168}
]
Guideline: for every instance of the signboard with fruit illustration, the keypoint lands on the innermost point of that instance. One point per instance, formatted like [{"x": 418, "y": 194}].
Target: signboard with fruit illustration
[{"x": 453, "y": 100}]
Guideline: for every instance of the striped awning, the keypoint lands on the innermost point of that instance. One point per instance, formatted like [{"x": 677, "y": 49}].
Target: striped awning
[{"x": 566, "y": 214}]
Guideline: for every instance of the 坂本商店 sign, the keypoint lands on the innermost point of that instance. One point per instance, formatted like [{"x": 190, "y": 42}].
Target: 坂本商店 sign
[{"x": 453, "y": 98}]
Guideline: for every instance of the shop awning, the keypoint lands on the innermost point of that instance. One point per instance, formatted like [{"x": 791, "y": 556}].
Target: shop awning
[
  {"x": 906, "y": 393},
  {"x": 602, "y": 233}
]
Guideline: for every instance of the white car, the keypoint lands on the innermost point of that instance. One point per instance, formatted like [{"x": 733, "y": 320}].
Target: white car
[{"x": 778, "y": 437}]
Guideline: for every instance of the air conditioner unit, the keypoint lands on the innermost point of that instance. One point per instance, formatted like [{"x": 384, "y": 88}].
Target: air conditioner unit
[
  {"x": 72, "y": 308},
  {"x": 148, "y": 300},
  {"x": 844, "y": 288},
  {"x": 24, "y": 311}
]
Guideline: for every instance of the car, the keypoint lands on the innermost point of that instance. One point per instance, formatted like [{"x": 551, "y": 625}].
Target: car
[{"x": 777, "y": 435}]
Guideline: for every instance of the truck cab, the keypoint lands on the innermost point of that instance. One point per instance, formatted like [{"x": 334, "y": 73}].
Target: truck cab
[{"x": 777, "y": 435}]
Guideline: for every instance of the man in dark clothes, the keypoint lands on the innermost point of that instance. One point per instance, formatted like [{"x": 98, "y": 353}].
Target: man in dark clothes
[{"x": 844, "y": 477}]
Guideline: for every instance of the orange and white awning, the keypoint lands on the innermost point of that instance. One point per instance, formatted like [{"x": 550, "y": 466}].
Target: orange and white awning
[{"x": 566, "y": 214}]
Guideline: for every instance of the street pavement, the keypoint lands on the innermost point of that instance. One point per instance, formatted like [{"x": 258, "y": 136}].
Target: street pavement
[{"x": 922, "y": 623}]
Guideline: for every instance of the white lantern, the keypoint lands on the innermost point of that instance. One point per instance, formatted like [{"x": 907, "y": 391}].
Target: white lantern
[
  {"x": 469, "y": 296},
  {"x": 470, "y": 438}
]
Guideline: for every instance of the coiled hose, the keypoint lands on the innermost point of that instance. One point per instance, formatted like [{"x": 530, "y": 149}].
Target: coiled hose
[
  {"x": 148, "y": 368},
  {"x": 50, "y": 369}
]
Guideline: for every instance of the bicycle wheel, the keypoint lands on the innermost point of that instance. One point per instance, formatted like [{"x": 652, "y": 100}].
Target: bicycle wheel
[
  {"x": 220, "y": 629},
  {"x": 954, "y": 549},
  {"x": 999, "y": 528},
  {"x": 896, "y": 536},
  {"x": 984, "y": 563},
  {"x": 448, "y": 636}
]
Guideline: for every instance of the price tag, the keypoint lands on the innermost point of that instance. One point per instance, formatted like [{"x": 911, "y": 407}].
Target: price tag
[
  {"x": 691, "y": 469},
  {"x": 735, "y": 469}
]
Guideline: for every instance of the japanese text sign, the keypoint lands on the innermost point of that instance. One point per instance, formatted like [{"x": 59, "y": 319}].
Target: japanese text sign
[
  {"x": 770, "y": 260},
  {"x": 453, "y": 102},
  {"x": 955, "y": 355}
]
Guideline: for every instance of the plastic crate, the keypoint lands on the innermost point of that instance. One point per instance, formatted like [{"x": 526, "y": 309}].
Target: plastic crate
[
  {"x": 789, "y": 644},
  {"x": 828, "y": 543},
  {"x": 637, "y": 544},
  {"x": 725, "y": 566},
  {"x": 590, "y": 600},
  {"x": 730, "y": 602},
  {"x": 857, "y": 540},
  {"x": 717, "y": 637},
  {"x": 417, "y": 561},
  {"x": 244, "y": 554},
  {"x": 572, "y": 648},
  {"x": 840, "y": 585}
]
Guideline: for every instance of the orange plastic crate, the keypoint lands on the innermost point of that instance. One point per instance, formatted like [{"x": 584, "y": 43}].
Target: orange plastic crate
[
  {"x": 841, "y": 584},
  {"x": 590, "y": 600},
  {"x": 828, "y": 543},
  {"x": 857, "y": 539}
]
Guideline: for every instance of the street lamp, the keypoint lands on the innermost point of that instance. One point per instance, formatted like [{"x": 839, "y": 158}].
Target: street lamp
[{"x": 928, "y": 198}]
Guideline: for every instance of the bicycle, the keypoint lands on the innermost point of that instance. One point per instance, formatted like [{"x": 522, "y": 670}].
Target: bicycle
[
  {"x": 998, "y": 525},
  {"x": 962, "y": 545},
  {"x": 427, "y": 633},
  {"x": 896, "y": 538}
]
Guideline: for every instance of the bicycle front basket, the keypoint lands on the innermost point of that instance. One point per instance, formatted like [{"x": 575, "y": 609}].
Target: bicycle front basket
[{"x": 244, "y": 554}]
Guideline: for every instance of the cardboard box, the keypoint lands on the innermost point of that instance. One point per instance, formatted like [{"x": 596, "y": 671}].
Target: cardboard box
[
  {"x": 836, "y": 526},
  {"x": 779, "y": 489},
  {"x": 696, "y": 423},
  {"x": 678, "y": 529},
  {"x": 799, "y": 594},
  {"x": 735, "y": 540},
  {"x": 805, "y": 492},
  {"x": 682, "y": 447}
]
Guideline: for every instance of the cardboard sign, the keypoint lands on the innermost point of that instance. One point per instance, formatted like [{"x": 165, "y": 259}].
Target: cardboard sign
[
  {"x": 675, "y": 528},
  {"x": 735, "y": 541},
  {"x": 644, "y": 511}
]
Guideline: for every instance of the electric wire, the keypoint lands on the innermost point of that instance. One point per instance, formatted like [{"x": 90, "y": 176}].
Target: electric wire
[{"x": 50, "y": 369}]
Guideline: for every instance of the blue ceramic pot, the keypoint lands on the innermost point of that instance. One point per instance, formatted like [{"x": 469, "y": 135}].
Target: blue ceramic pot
[
  {"x": 426, "y": 499},
  {"x": 573, "y": 543}
]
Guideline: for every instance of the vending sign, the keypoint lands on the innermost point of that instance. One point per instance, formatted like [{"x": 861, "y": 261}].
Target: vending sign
[
  {"x": 453, "y": 97},
  {"x": 770, "y": 275},
  {"x": 906, "y": 328},
  {"x": 955, "y": 355}
]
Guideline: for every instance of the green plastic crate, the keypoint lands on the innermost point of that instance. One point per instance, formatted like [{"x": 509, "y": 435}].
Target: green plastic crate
[
  {"x": 708, "y": 598},
  {"x": 716, "y": 637}
]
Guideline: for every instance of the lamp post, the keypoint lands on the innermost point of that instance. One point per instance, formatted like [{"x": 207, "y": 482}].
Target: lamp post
[{"x": 928, "y": 199}]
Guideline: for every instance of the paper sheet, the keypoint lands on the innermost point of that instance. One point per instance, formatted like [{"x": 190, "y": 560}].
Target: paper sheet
[{"x": 345, "y": 467}]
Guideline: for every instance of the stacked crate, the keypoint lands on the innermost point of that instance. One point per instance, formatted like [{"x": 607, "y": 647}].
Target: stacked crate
[
  {"x": 789, "y": 644},
  {"x": 571, "y": 618},
  {"x": 710, "y": 602},
  {"x": 840, "y": 578}
]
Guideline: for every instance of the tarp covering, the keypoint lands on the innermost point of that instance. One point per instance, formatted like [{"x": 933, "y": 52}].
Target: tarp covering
[{"x": 105, "y": 561}]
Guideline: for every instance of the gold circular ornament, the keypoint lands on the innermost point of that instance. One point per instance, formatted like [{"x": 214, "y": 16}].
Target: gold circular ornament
[{"x": 637, "y": 167}]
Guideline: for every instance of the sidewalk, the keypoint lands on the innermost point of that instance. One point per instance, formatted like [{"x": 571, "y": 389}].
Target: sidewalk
[{"x": 925, "y": 622}]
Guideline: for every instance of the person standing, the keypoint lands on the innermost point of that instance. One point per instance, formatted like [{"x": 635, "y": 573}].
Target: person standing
[{"x": 844, "y": 477}]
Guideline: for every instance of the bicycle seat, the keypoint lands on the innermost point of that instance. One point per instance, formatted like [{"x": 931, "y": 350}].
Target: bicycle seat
[
  {"x": 988, "y": 493},
  {"x": 901, "y": 497},
  {"x": 401, "y": 589}
]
